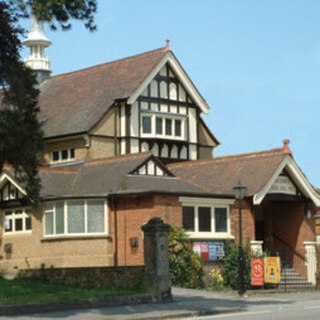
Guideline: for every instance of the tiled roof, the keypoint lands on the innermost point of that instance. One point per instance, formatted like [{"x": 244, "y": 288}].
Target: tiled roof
[
  {"x": 74, "y": 102},
  {"x": 220, "y": 174}
]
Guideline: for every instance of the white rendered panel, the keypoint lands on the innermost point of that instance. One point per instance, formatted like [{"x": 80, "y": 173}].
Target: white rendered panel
[
  {"x": 182, "y": 94},
  {"x": 173, "y": 109},
  {"x": 123, "y": 121},
  {"x": 123, "y": 146},
  {"x": 134, "y": 145},
  {"x": 163, "y": 71},
  {"x": 164, "y": 151},
  {"x": 164, "y": 108},
  {"x": 163, "y": 90},
  {"x": 154, "y": 106},
  {"x": 193, "y": 152},
  {"x": 173, "y": 91},
  {"x": 192, "y": 125},
  {"x": 134, "y": 119},
  {"x": 174, "y": 152},
  {"x": 144, "y": 105},
  {"x": 183, "y": 153},
  {"x": 159, "y": 171},
  {"x": 171, "y": 75},
  {"x": 151, "y": 168},
  {"x": 145, "y": 92},
  {"x": 144, "y": 147},
  {"x": 155, "y": 150},
  {"x": 182, "y": 110},
  {"x": 142, "y": 170},
  {"x": 154, "y": 88}
]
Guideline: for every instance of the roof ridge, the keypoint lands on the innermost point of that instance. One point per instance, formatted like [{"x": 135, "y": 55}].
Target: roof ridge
[
  {"x": 103, "y": 64},
  {"x": 71, "y": 170},
  {"x": 233, "y": 156},
  {"x": 121, "y": 156}
]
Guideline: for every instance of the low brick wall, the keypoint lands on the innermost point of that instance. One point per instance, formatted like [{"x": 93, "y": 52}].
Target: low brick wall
[{"x": 95, "y": 277}]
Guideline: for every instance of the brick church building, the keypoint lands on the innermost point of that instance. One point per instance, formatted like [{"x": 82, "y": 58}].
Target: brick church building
[{"x": 124, "y": 142}]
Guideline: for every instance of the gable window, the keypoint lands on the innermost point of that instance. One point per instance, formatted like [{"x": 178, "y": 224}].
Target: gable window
[
  {"x": 162, "y": 125},
  {"x": 75, "y": 217},
  {"x": 168, "y": 127},
  {"x": 62, "y": 155},
  {"x": 206, "y": 218},
  {"x": 146, "y": 124},
  {"x": 159, "y": 124},
  {"x": 177, "y": 127},
  {"x": 17, "y": 220}
]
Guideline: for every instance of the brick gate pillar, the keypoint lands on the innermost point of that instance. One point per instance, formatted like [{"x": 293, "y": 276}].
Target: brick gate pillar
[{"x": 156, "y": 258}]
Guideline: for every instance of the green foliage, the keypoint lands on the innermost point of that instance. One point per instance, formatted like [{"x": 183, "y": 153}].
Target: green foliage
[
  {"x": 186, "y": 267},
  {"x": 34, "y": 289},
  {"x": 216, "y": 282},
  {"x": 230, "y": 265}
]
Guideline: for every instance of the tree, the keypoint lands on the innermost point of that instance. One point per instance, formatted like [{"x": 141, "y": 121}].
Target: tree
[
  {"x": 186, "y": 267},
  {"x": 21, "y": 137}
]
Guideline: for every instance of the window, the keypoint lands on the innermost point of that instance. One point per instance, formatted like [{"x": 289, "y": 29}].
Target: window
[
  {"x": 210, "y": 219},
  {"x": 177, "y": 128},
  {"x": 162, "y": 125},
  {"x": 159, "y": 128},
  {"x": 168, "y": 127},
  {"x": 146, "y": 124},
  {"x": 62, "y": 155},
  {"x": 188, "y": 218},
  {"x": 75, "y": 217},
  {"x": 17, "y": 220}
]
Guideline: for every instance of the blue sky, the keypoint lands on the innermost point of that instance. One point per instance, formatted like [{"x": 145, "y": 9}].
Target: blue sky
[{"x": 256, "y": 63}]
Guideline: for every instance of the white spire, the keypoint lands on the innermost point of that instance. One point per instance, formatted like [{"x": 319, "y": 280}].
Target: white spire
[{"x": 37, "y": 41}]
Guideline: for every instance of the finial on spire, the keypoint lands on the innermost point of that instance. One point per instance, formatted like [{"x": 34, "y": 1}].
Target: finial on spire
[
  {"x": 167, "y": 44},
  {"x": 37, "y": 41},
  {"x": 286, "y": 146}
]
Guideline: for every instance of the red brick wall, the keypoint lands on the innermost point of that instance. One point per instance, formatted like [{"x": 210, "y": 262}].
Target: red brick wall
[
  {"x": 248, "y": 224},
  {"x": 132, "y": 213}
]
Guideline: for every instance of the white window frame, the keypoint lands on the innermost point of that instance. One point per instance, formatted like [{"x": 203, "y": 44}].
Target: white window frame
[
  {"x": 212, "y": 204},
  {"x": 15, "y": 216},
  {"x": 60, "y": 160},
  {"x": 65, "y": 217},
  {"x": 164, "y": 116}
]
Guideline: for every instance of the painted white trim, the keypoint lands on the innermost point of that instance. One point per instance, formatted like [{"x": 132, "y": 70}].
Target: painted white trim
[
  {"x": 208, "y": 201},
  {"x": 298, "y": 178},
  {"x": 4, "y": 176},
  {"x": 183, "y": 77}
]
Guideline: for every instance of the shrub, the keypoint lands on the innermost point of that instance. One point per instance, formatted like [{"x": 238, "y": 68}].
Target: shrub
[
  {"x": 216, "y": 282},
  {"x": 186, "y": 267},
  {"x": 230, "y": 265}
]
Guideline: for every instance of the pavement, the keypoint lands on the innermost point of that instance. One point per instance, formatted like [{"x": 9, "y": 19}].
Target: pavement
[{"x": 187, "y": 303}]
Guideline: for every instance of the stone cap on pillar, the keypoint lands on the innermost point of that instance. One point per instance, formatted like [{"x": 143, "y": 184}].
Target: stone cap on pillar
[{"x": 155, "y": 224}]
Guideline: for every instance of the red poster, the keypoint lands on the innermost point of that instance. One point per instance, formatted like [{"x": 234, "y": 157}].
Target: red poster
[
  {"x": 257, "y": 272},
  {"x": 205, "y": 252}
]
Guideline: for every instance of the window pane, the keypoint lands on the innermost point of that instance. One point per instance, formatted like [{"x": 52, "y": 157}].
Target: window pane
[
  {"x": 71, "y": 153},
  {"x": 75, "y": 217},
  {"x": 159, "y": 125},
  {"x": 55, "y": 155},
  {"x": 18, "y": 224},
  {"x": 177, "y": 128},
  {"x": 59, "y": 218},
  {"x": 8, "y": 225},
  {"x": 146, "y": 124},
  {"x": 220, "y": 215},
  {"x": 64, "y": 154},
  {"x": 168, "y": 127},
  {"x": 28, "y": 219},
  {"x": 96, "y": 216},
  {"x": 49, "y": 222},
  {"x": 188, "y": 218},
  {"x": 204, "y": 217}
]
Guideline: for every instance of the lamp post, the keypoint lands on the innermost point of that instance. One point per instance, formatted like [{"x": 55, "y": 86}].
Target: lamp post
[{"x": 239, "y": 192}]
